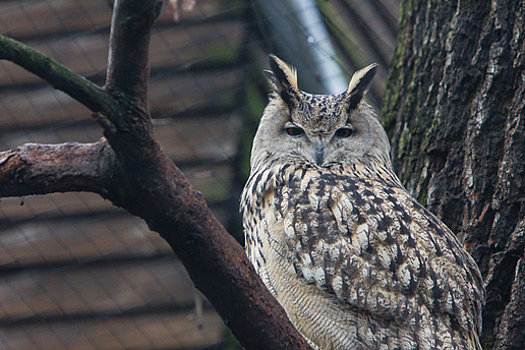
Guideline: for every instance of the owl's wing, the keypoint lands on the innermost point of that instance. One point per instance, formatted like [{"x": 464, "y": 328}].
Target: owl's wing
[{"x": 374, "y": 247}]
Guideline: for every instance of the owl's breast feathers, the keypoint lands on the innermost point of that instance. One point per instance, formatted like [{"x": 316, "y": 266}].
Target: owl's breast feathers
[{"x": 358, "y": 235}]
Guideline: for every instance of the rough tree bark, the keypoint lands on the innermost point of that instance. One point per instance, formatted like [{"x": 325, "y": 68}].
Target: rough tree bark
[
  {"x": 130, "y": 168},
  {"x": 454, "y": 109}
]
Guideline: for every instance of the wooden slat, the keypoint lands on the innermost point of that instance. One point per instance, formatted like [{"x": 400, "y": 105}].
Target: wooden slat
[
  {"x": 168, "y": 94},
  {"x": 214, "y": 182},
  {"x": 364, "y": 32},
  {"x": 207, "y": 42},
  {"x": 51, "y": 205},
  {"x": 62, "y": 131},
  {"x": 19, "y": 110},
  {"x": 199, "y": 90},
  {"x": 392, "y": 6},
  {"x": 54, "y": 18},
  {"x": 86, "y": 52},
  {"x": 197, "y": 139},
  {"x": 30, "y": 18},
  {"x": 41, "y": 242},
  {"x": 364, "y": 27},
  {"x": 186, "y": 140},
  {"x": 155, "y": 331},
  {"x": 86, "y": 291},
  {"x": 29, "y": 238}
]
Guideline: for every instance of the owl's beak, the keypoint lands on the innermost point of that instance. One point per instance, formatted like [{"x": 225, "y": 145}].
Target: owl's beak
[{"x": 319, "y": 152}]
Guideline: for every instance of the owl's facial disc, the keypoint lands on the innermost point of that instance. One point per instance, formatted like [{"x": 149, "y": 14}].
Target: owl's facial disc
[
  {"x": 316, "y": 146},
  {"x": 317, "y": 129},
  {"x": 318, "y": 124}
]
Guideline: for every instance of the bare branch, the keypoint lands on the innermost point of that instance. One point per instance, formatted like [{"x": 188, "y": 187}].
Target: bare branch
[
  {"x": 128, "y": 68},
  {"x": 39, "y": 169}
]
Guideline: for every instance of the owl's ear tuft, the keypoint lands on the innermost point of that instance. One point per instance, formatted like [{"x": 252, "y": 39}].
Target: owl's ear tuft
[
  {"x": 359, "y": 85},
  {"x": 283, "y": 78}
]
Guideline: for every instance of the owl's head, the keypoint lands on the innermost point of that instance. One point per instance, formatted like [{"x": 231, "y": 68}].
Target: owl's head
[{"x": 318, "y": 129}]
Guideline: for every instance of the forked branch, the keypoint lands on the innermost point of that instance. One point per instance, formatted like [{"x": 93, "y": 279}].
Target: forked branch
[{"x": 39, "y": 169}]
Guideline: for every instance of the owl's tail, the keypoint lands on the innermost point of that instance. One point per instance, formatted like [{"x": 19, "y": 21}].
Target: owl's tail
[{"x": 473, "y": 341}]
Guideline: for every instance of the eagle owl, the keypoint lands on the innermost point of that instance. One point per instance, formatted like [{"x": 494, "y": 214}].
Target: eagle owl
[{"x": 355, "y": 261}]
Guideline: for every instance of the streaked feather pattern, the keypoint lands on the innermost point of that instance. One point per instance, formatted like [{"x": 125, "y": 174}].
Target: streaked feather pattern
[{"x": 356, "y": 262}]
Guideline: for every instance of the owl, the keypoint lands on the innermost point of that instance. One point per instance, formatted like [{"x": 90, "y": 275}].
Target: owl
[{"x": 354, "y": 260}]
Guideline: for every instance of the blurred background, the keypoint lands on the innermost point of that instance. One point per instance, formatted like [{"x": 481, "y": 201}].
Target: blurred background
[{"x": 79, "y": 273}]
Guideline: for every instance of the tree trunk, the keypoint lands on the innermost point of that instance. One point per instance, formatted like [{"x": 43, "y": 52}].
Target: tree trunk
[{"x": 453, "y": 108}]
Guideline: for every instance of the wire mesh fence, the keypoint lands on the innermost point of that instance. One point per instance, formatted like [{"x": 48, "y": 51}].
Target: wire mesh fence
[{"x": 79, "y": 273}]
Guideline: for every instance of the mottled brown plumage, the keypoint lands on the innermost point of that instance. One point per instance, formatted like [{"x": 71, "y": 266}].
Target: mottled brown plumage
[{"x": 356, "y": 262}]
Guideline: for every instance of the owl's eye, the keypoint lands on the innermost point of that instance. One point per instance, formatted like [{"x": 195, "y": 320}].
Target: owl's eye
[
  {"x": 344, "y": 132},
  {"x": 294, "y": 131}
]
